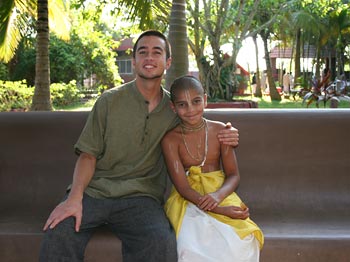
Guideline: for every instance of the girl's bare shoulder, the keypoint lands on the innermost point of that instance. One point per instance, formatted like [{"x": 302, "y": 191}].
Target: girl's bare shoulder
[
  {"x": 172, "y": 136},
  {"x": 215, "y": 125}
]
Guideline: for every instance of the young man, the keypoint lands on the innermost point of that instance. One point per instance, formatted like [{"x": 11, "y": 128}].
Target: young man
[{"x": 120, "y": 176}]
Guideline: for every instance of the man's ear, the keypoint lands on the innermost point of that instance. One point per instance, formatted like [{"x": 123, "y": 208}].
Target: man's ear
[
  {"x": 205, "y": 99},
  {"x": 168, "y": 63}
]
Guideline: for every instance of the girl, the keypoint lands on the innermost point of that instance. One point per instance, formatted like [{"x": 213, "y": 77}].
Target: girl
[{"x": 210, "y": 220}]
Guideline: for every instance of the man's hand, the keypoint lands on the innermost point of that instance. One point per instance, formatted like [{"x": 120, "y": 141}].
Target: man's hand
[
  {"x": 64, "y": 210},
  {"x": 229, "y": 135}
]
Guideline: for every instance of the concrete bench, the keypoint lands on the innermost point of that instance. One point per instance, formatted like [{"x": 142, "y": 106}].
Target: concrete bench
[{"x": 294, "y": 167}]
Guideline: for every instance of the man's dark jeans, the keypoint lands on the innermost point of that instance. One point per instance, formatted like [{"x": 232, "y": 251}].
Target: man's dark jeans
[{"x": 140, "y": 223}]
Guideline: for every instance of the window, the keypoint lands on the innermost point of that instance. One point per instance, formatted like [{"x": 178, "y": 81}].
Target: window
[{"x": 124, "y": 66}]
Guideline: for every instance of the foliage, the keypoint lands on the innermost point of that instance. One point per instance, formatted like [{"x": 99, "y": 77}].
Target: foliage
[
  {"x": 4, "y": 74},
  {"x": 65, "y": 94},
  {"x": 15, "y": 95},
  {"x": 23, "y": 64},
  {"x": 94, "y": 45},
  {"x": 16, "y": 18},
  {"x": 322, "y": 91},
  {"x": 74, "y": 59},
  {"x": 212, "y": 24}
]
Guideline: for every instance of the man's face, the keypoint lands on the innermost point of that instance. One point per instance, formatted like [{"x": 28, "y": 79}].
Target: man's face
[{"x": 150, "y": 59}]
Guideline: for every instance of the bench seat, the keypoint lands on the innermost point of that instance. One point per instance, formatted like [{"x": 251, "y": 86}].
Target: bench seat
[{"x": 294, "y": 167}]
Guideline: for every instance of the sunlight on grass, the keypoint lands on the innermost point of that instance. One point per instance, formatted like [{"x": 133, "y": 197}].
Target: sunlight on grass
[
  {"x": 265, "y": 102},
  {"x": 82, "y": 106}
]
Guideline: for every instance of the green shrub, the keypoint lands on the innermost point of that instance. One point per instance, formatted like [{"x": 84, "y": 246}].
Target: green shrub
[
  {"x": 4, "y": 74},
  {"x": 64, "y": 94},
  {"x": 15, "y": 95}
]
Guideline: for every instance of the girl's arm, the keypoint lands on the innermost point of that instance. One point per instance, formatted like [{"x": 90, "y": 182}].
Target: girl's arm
[
  {"x": 176, "y": 170},
  {"x": 211, "y": 201},
  {"x": 230, "y": 167},
  {"x": 229, "y": 162}
]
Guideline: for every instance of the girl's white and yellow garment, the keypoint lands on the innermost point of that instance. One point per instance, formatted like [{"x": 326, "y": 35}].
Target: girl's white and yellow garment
[{"x": 209, "y": 237}]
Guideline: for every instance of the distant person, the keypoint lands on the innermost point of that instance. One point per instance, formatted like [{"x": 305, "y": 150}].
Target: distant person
[
  {"x": 286, "y": 83},
  {"x": 291, "y": 77},
  {"x": 210, "y": 220},
  {"x": 254, "y": 83},
  {"x": 264, "y": 85}
]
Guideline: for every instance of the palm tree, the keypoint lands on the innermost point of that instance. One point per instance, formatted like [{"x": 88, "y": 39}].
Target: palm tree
[
  {"x": 339, "y": 24},
  {"x": 15, "y": 16},
  {"x": 258, "y": 92},
  {"x": 12, "y": 30},
  {"x": 268, "y": 13},
  {"x": 41, "y": 98},
  {"x": 178, "y": 40},
  {"x": 150, "y": 13},
  {"x": 265, "y": 34}
]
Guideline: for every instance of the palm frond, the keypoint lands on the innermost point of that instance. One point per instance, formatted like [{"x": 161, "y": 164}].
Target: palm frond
[
  {"x": 150, "y": 13},
  {"x": 59, "y": 22},
  {"x": 15, "y": 17},
  {"x": 14, "y": 20}
]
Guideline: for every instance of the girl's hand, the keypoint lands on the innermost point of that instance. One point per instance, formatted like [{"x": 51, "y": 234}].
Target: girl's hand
[
  {"x": 208, "y": 202},
  {"x": 236, "y": 212}
]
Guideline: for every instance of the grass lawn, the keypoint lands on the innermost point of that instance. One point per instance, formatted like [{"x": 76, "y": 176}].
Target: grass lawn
[
  {"x": 82, "y": 106},
  {"x": 264, "y": 102}
]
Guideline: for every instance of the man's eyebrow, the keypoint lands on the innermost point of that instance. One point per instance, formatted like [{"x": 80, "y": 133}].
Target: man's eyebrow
[{"x": 144, "y": 47}]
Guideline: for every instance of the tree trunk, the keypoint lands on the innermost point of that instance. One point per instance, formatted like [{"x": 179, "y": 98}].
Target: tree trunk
[
  {"x": 297, "y": 56},
  {"x": 41, "y": 98},
  {"x": 178, "y": 41},
  {"x": 258, "y": 92},
  {"x": 272, "y": 86}
]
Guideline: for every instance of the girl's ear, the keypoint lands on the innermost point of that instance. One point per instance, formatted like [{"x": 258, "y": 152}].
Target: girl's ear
[
  {"x": 205, "y": 98},
  {"x": 172, "y": 106}
]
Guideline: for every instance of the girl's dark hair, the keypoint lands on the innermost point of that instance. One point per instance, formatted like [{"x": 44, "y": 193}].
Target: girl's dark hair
[
  {"x": 183, "y": 83},
  {"x": 153, "y": 33}
]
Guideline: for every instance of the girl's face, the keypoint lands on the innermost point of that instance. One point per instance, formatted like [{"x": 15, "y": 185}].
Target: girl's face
[{"x": 189, "y": 106}]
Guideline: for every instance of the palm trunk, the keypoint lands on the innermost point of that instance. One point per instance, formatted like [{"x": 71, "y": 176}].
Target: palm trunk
[
  {"x": 178, "y": 41},
  {"x": 41, "y": 98},
  {"x": 297, "y": 55},
  {"x": 272, "y": 86},
  {"x": 258, "y": 92}
]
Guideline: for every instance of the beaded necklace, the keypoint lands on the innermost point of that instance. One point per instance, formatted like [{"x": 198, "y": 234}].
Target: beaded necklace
[
  {"x": 206, "y": 141},
  {"x": 193, "y": 129}
]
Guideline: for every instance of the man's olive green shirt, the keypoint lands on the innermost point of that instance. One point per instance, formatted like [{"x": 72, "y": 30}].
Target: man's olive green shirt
[{"x": 125, "y": 138}]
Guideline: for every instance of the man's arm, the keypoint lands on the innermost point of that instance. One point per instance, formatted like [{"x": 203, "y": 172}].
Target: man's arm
[
  {"x": 72, "y": 206},
  {"x": 229, "y": 135}
]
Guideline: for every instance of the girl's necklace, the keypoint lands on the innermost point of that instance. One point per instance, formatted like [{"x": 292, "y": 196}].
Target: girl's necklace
[
  {"x": 205, "y": 145},
  {"x": 193, "y": 129}
]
